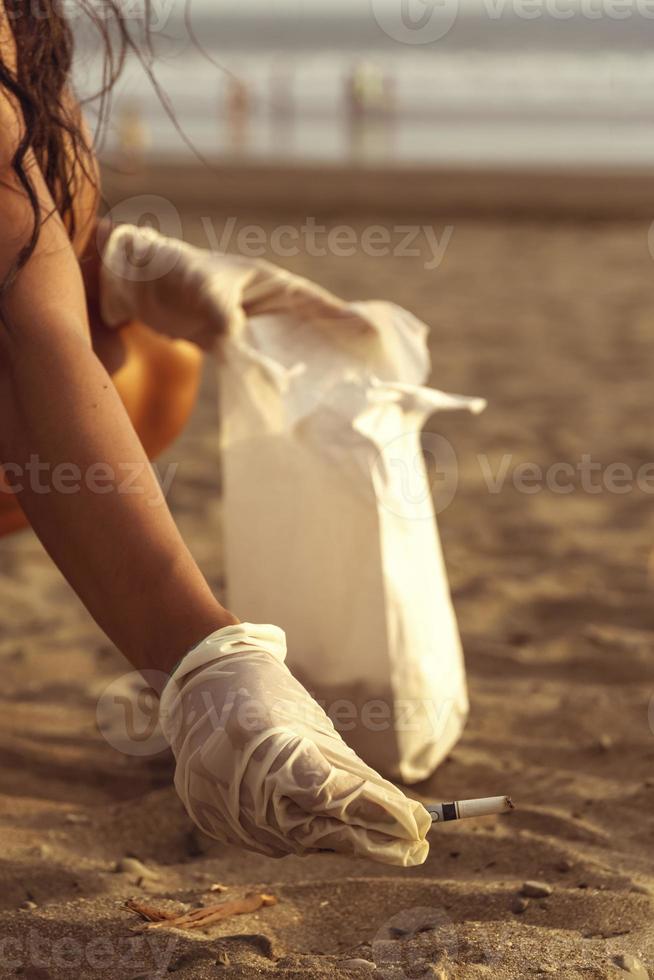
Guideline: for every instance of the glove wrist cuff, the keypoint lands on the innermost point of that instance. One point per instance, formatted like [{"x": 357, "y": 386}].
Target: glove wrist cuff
[{"x": 225, "y": 642}]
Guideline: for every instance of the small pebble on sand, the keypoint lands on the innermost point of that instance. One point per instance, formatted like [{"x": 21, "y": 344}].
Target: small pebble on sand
[
  {"x": 132, "y": 866},
  {"x": 641, "y": 889},
  {"x": 631, "y": 965},
  {"x": 564, "y": 865},
  {"x": 536, "y": 889},
  {"x": 28, "y": 906},
  {"x": 520, "y": 905},
  {"x": 358, "y": 964}
]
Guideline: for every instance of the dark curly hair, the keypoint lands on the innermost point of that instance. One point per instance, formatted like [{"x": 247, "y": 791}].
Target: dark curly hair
[{"x": 51, "y": 118}]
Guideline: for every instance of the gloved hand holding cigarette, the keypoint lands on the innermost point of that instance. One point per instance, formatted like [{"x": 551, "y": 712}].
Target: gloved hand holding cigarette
[{"x": 259, "y": 763}]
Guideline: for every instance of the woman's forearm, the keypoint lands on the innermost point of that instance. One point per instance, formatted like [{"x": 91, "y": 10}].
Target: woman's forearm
[{"x": 83, "y": 479}]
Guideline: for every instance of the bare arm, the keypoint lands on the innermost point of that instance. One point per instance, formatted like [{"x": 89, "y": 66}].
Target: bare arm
[{"x": 120, "y": 550}]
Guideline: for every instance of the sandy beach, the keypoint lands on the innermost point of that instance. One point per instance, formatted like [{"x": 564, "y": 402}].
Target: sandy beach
[{"x": 551, "y": 319}]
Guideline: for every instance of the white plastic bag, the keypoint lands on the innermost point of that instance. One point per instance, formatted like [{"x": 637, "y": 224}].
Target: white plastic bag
[{"x": 320, "y": 425}]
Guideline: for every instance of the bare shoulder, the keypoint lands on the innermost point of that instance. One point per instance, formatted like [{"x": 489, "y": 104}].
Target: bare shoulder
[
  {"x": 11, "y": 125},
  {"x": 7, "y": 39},
  {"x": 83, "y": 166}
]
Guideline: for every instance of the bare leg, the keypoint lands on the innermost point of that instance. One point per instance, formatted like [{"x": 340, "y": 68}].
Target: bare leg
[{"x": 157, "y": 380}]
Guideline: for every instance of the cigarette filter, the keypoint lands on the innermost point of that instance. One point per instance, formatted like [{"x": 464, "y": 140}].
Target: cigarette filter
[{"x": 469, "y": 808}]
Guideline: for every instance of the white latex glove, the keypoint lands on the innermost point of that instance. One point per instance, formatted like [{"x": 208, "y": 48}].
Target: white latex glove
[
  {"x": 259, "y": 763},
  {"x": 195, "y": 294}
]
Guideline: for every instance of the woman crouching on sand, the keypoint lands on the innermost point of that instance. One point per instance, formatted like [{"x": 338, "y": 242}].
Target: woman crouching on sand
[{"x": 258, "y": 762}]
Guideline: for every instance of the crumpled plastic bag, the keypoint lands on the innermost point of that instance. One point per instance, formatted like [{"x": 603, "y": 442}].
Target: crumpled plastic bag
[
  {"x": 260, "y": 765},
  {"x": 329, "y": 528}
]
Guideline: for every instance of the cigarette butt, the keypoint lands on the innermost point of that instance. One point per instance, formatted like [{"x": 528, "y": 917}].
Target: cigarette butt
[{"x": 462, "y": 809}]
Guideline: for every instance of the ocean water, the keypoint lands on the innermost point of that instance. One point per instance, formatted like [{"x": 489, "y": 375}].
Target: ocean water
[{"x": 496, "y": 89}]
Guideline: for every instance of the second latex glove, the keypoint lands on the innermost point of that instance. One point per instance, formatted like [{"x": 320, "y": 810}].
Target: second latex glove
[
  {"x": 260, "y": 764},
  {"x": 198, "y": 295}
]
